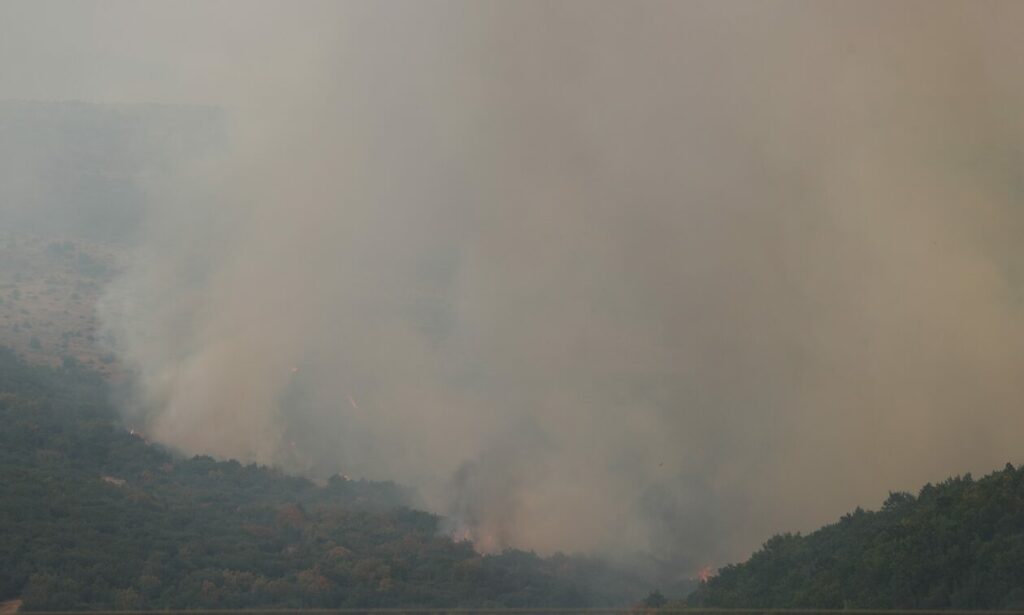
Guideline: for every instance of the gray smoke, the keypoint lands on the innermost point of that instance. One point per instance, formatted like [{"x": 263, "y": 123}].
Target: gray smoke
[{"x": 591, "y": 275}]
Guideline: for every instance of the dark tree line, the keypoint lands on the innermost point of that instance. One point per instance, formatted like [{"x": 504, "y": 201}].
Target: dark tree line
[{"x": 958, "y": 544}]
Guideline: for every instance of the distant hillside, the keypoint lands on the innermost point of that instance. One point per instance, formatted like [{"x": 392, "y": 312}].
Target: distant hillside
[
  {"x": 76, "y": 183},
  {"x": 958, "y": 544},
  {"x": 49, "y": 289},
  {"x": 93, "y": 516},
  {"x": 82, "y": 170}
]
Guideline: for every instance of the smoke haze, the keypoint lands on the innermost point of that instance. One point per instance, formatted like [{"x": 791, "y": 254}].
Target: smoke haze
[{"x": 663, "y": 276}]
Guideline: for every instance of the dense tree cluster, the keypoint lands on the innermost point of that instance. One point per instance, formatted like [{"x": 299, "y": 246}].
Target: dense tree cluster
[
  {"x": 958, "y": 544},
  {"x": 94, "y": 517}
]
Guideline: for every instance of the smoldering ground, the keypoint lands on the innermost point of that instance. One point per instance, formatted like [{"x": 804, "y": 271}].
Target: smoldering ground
[{"x": 592, "y": 275}]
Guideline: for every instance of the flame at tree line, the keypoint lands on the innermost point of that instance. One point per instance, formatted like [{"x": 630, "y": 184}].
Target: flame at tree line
[{"x": 605, "y": 278}]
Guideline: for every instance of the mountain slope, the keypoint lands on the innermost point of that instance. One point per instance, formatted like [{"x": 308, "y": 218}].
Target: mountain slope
[
  {"x": 958, "y": 544},
  {"x": 94, "y": 517}
]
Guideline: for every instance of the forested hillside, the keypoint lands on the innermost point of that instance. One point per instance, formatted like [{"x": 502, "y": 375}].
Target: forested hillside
[
  {"x": 958, "y": 544},
  {"x": 95, "y": 517}
]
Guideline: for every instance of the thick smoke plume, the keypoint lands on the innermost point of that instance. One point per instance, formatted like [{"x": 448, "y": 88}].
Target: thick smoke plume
[{"x": 667, "y": 276}]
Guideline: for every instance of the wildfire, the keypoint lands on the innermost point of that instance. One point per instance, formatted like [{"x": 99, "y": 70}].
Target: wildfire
[
  {"x": 705, "y": 573},
  {"x": 352, "y": 400},
  {"x": 483, "y": 542},
  {"x": 463, "y": 535},
  {"x": 135, "y": 433}
]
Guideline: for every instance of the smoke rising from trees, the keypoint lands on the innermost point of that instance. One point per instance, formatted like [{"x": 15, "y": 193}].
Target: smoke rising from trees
[{"x": 591, "y": 275}]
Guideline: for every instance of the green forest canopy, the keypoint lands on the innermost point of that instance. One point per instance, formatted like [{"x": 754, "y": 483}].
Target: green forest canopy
[{"x": 958, "y": 544}]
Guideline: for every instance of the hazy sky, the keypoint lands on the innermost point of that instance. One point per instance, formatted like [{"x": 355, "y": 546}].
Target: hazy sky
[{"x": 592, "y": 275}]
